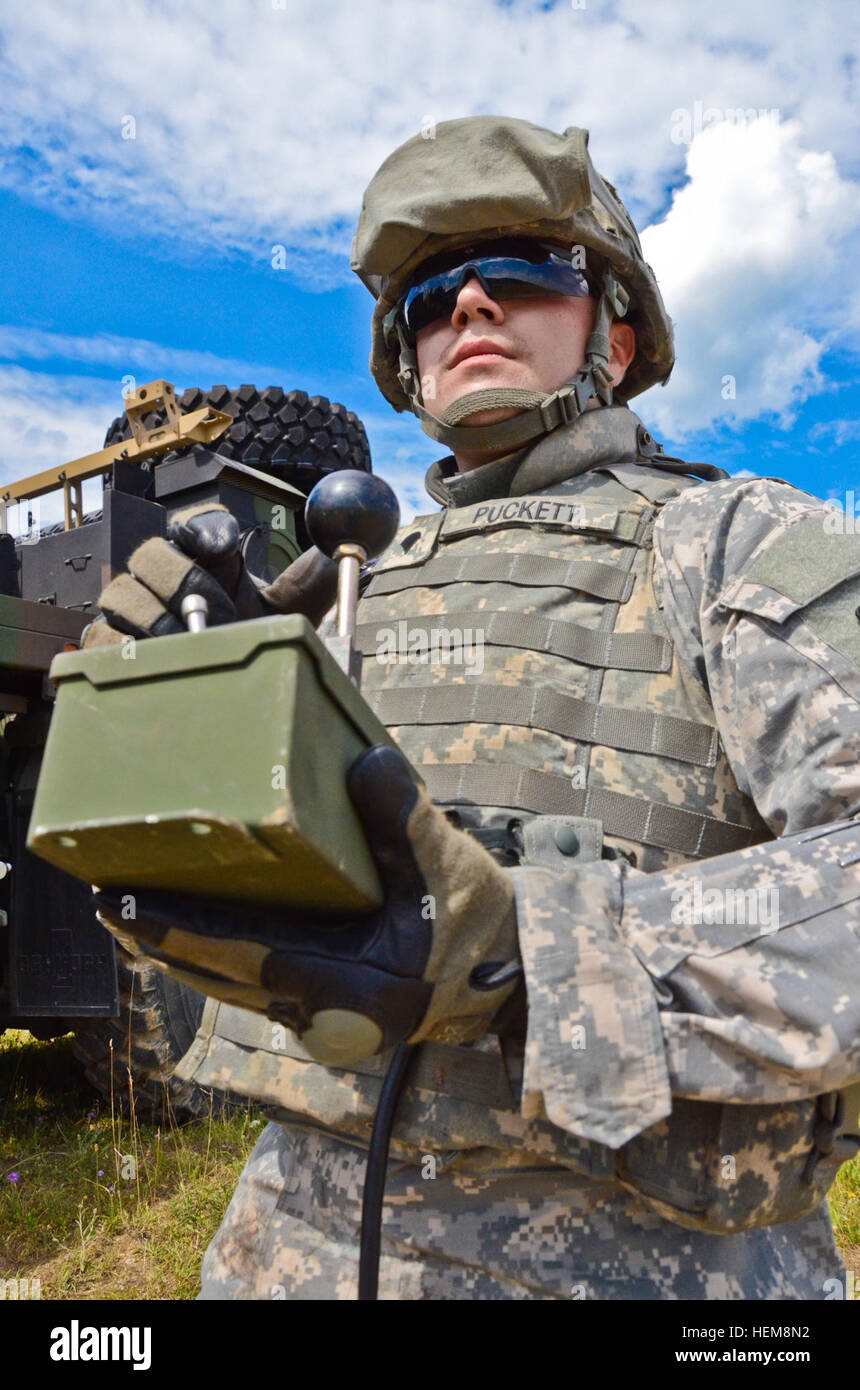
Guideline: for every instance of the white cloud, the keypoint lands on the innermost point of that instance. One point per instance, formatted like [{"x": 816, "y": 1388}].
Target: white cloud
[
  {"x": 255, "y": 124},
  {"x": 145, "y": 360},
  {"x": 753, "y": 260},
  {"x": 48, "y": 419},
  {"x": 836, "y": 432}
]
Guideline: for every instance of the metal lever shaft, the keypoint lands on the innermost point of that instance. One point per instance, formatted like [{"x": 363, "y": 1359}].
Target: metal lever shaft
[{"x": 195, "y": 611}]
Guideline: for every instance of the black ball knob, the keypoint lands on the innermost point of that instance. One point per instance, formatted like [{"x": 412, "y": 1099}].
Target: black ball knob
[{"x": 352, "y": 506}]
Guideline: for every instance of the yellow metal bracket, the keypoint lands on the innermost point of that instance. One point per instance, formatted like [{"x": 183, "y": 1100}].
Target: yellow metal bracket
[{"x": 196, "y": 427}]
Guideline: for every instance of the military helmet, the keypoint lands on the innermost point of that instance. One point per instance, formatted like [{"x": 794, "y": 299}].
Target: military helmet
[{"x": 485, "y": 177}]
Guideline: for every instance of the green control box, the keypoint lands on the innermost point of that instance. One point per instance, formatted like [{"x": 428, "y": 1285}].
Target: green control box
[{"x": 209, "y": 762}]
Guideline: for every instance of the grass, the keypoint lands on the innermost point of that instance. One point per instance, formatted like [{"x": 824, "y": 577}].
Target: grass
[
  {"x": 844, "y": 1201},
  {"x": 104, "y": 1207}
]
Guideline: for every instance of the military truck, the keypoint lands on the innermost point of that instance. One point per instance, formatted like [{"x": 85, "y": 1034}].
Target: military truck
[{"x": 259, "y": 452}]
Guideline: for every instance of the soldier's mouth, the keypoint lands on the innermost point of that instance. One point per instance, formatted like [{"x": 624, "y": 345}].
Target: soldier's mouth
[{"x": 479, "y": 348}]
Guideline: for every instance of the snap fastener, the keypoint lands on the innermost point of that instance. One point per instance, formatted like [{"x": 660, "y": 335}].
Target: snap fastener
[
  {"x": 567, "y": 839},
  {"x": 515, "y": 835}
]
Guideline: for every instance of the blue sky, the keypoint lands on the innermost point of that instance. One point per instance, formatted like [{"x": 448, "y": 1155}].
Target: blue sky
[{"x": 256, "y": 124}]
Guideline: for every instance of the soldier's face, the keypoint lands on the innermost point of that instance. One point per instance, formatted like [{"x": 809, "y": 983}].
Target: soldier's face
[{"x": 536, "y": 343}]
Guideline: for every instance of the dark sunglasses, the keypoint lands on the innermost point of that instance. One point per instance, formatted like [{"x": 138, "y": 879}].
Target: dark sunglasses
[{"x": 514, "y": 270}]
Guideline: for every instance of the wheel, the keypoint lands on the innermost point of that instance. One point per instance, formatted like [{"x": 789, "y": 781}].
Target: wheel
[
  {"x": 295, "y": 437},
  {"x": 158, "y": 1019}
]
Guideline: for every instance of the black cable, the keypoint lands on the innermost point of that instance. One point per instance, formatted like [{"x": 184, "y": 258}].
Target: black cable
[{"x": 375, "y": 1172}]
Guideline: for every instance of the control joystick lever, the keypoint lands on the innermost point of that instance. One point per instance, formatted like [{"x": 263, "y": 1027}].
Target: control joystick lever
[{"x": 351, "y": 516}]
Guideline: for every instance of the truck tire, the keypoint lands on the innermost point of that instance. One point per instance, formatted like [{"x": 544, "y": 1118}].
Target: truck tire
[
  {"x": 158, "y": 1020},
  {"x": 295, "y": 437}
]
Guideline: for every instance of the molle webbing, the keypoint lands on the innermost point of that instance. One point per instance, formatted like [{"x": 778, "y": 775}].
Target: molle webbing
[
  {"x": 636, "y": 730},
  {"x": 605, "y": 713},
  {"x": 542, "y": 571},
  {"x": 545, "y": 793},
  {"x": 463, "y": 1072},
  {"x": 621, "y": 651}
]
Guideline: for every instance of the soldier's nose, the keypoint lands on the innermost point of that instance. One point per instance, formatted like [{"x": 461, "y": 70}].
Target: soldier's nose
[{"x": 474, "y": 302}]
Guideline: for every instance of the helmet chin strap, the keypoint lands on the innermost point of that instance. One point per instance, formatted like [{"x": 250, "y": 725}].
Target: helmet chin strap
[{"x": 537, "y": 413}]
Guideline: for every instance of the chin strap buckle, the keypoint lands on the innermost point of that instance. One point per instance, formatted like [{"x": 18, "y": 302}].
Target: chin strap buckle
[
  {"x": 394, "y": 335},
  {"x": 561, "y": 407},
  {"x": 613, "y": 303},
  {"x": 616, "y": 294},
  {"x": 602, "y": 380},
  {"x": 567, "y": 404}
]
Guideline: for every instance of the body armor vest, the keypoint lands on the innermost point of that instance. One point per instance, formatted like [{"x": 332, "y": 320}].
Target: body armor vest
[{"x": 516, "y": 650}]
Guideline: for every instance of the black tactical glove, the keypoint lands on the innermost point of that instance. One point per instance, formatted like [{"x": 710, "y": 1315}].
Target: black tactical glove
[
  {"x": 437, "y": 961},
  {"x": 202, "y": 556}
]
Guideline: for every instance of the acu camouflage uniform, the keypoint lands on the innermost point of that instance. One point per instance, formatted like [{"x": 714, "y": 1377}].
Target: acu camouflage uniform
[{"x": 670, "y": 682}]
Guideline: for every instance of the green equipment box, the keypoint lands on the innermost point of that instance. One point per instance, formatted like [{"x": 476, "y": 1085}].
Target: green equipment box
[{"x": 209, "y": 762}]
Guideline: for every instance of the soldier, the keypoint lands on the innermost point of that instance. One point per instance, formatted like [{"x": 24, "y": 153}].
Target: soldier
[{"x": 622, "y": 919}]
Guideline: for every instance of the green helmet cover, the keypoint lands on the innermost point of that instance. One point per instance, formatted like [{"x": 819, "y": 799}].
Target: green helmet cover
[{"x": 495, "y": 176}]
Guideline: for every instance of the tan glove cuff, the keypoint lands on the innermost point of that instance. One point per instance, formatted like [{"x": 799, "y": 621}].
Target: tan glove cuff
[{"x": 474, "y": 923}]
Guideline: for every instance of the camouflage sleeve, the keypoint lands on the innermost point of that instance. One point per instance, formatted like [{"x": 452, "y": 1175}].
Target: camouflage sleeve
[
  {"x": 759, "y": 587},
  {"x": 737, "y": 978}
]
